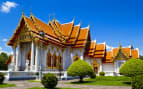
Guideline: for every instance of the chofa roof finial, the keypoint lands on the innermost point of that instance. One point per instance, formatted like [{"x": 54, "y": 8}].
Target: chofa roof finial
[
  {"x": 22, "y": 12},
  {"x": 120, "y": 46}
]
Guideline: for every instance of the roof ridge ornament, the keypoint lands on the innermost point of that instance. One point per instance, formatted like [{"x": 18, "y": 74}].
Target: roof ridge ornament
[
  {"x": 54, "y": 19},
  {"x": 120, "y": 46},
  {"x": 73, "y": 19},
  {"x": 22, "y": 11},
  {"x": 88, "y": 26},
  {"x": 31, "y": 12}
]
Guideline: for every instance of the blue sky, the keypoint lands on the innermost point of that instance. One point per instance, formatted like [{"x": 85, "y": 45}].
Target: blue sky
[{"x": 110, "y": 20}]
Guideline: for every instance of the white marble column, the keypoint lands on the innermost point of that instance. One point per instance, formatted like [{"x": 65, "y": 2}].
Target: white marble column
[
  {"x": 14, "y": 55},
  {"x": 13, "y": 60},
  {"x": 18, "y": 58},
  {"x": 32, "y": 56},
  {"x": 37, "y": 59}
]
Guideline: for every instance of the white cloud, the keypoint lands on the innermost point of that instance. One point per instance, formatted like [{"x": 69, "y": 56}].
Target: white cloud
[
  {"x": 6, "y": 6},
  {"x": 8, "y": 52},
  {"x": 5, "y": 40},
  {"x": 0, "y": 48}
]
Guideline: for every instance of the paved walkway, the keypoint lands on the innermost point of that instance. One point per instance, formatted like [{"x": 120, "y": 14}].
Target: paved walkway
[{"x": 26, "y": 84}]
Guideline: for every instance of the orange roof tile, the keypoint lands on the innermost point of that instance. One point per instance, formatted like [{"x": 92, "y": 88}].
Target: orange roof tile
[
  {"x": 99, "y": 52},
  {"x": 109, "y": 55},
  {"x": 74, "y": 34},
  {"x": 100, "y": 47},
  {"x": 115, "y": 50},
  {"x": 31, "y": 24},
  {"x": 82, "y": 37},
  {"x": 98, "y": 56},
  {"x": 125, "y": 50},
  {"x": 135, "y": 53},
  {"x": 42, "y": 26},
  {"x": 66, "y": 28}
]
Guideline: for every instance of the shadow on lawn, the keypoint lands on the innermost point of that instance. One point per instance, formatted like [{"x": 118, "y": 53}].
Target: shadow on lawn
[
  {"x": 77, "y": 82},
  {"x": 128, "y": 83}
]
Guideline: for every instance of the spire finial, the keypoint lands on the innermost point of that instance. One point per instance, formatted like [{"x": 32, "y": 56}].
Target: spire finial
[
  {"x": 49, "y": 17},
  {"x": 132, "y": 45},
  {"x": 73, "y": 19},
  {"x": 22, "y": 12},
  {"x": 88, "y": 26},
  {"x": 54, "y": 17},
  {"x": 31, "y": 11},
  {"x": 120, "y": 45}
]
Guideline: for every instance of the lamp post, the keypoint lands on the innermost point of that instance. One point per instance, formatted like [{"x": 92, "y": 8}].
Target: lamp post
[{"x": 40, "y": 68}]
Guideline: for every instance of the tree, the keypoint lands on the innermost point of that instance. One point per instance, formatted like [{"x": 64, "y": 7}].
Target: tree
[
  {"x": 3, "y": 59},
  {"x": 132, "y": 67},
  {"x": 80, "y": 68},
  {"x": 137, "y": 82},
  {"x": 141, "y": 57}
]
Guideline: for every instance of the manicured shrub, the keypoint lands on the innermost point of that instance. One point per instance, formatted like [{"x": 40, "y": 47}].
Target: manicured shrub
[
  {"x": 1, "y": 78},
  {"x": 92, "y": 75},
  {"x": 132, "y": 67},
  {"x": 137, "y": 82},
  {"x": 79, "y": 68},
  {"x": 49, "y": 80},
  {"x": 101, "y": 73},
  {"x": 37, "y": 73}
]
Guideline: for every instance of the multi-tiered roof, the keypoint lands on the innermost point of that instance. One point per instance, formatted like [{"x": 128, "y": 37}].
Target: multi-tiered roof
[
  {"x": 69, "y": 34},
  {"x": 60, "y": 34}
]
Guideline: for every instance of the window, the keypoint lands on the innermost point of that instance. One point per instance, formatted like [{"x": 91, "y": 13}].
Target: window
[
  {"x": 49, "y": 60},
  {"x": 60, "y": 61},
  {"x": 54, "y": 60}
]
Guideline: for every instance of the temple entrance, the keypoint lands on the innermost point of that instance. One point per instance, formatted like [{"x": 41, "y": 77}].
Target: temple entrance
[
  {"x": 95, "y": 66},
  {"x": 76, "y": 58},
  {"x": 24, "y": 55}
]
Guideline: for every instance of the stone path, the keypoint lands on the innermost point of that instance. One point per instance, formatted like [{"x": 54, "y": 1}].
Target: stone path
[{"x": 26, "y": 84}]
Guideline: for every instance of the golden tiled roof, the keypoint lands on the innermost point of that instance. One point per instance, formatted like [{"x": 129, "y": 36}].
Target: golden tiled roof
[
  {"x": 82, "y": 38},
  {"x": 100, "y": 47},
  {"x": 108, "y": 58},
  {"x": 62, "y": 34},
  {"x": 135, "y": 53},
  {"x": 127, "y": 51},
  {"x": 74, "y": 35}
]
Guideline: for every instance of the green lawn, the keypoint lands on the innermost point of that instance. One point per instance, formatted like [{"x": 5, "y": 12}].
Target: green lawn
[
  {"x": 107, "y": 81},
  {"x": 6, "y": 85},
  {"x": 51, "y": 88},
  {"x": 34, "y": 81}
]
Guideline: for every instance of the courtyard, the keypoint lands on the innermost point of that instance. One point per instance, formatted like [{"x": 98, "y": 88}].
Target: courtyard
[{"x": 61, "y": 84}]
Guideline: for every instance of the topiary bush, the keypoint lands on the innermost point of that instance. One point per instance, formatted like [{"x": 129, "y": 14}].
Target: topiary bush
[
  {"x": 1, "y": 77},
  {"x": 92, "y": 75},
  {"x": 101, "y": 73},
  {"x": 37, "y": 73},
  {"x": 132, "y": 67},
  {"x": 79, "y": 68},
  {"x": 49, "y": 80},
  {"x": 137, "y": 82}
]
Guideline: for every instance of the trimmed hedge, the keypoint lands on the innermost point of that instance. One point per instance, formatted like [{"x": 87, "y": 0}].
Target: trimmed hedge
[
  {"x": 49, "y": 80},
  {"x": 137, "y": 82},
  {"x": 80, "y": 68},
  {"x": 1, "y": 77},
  {"x": 132, "y": 67},
  {"x": 101, "y": 73}
]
